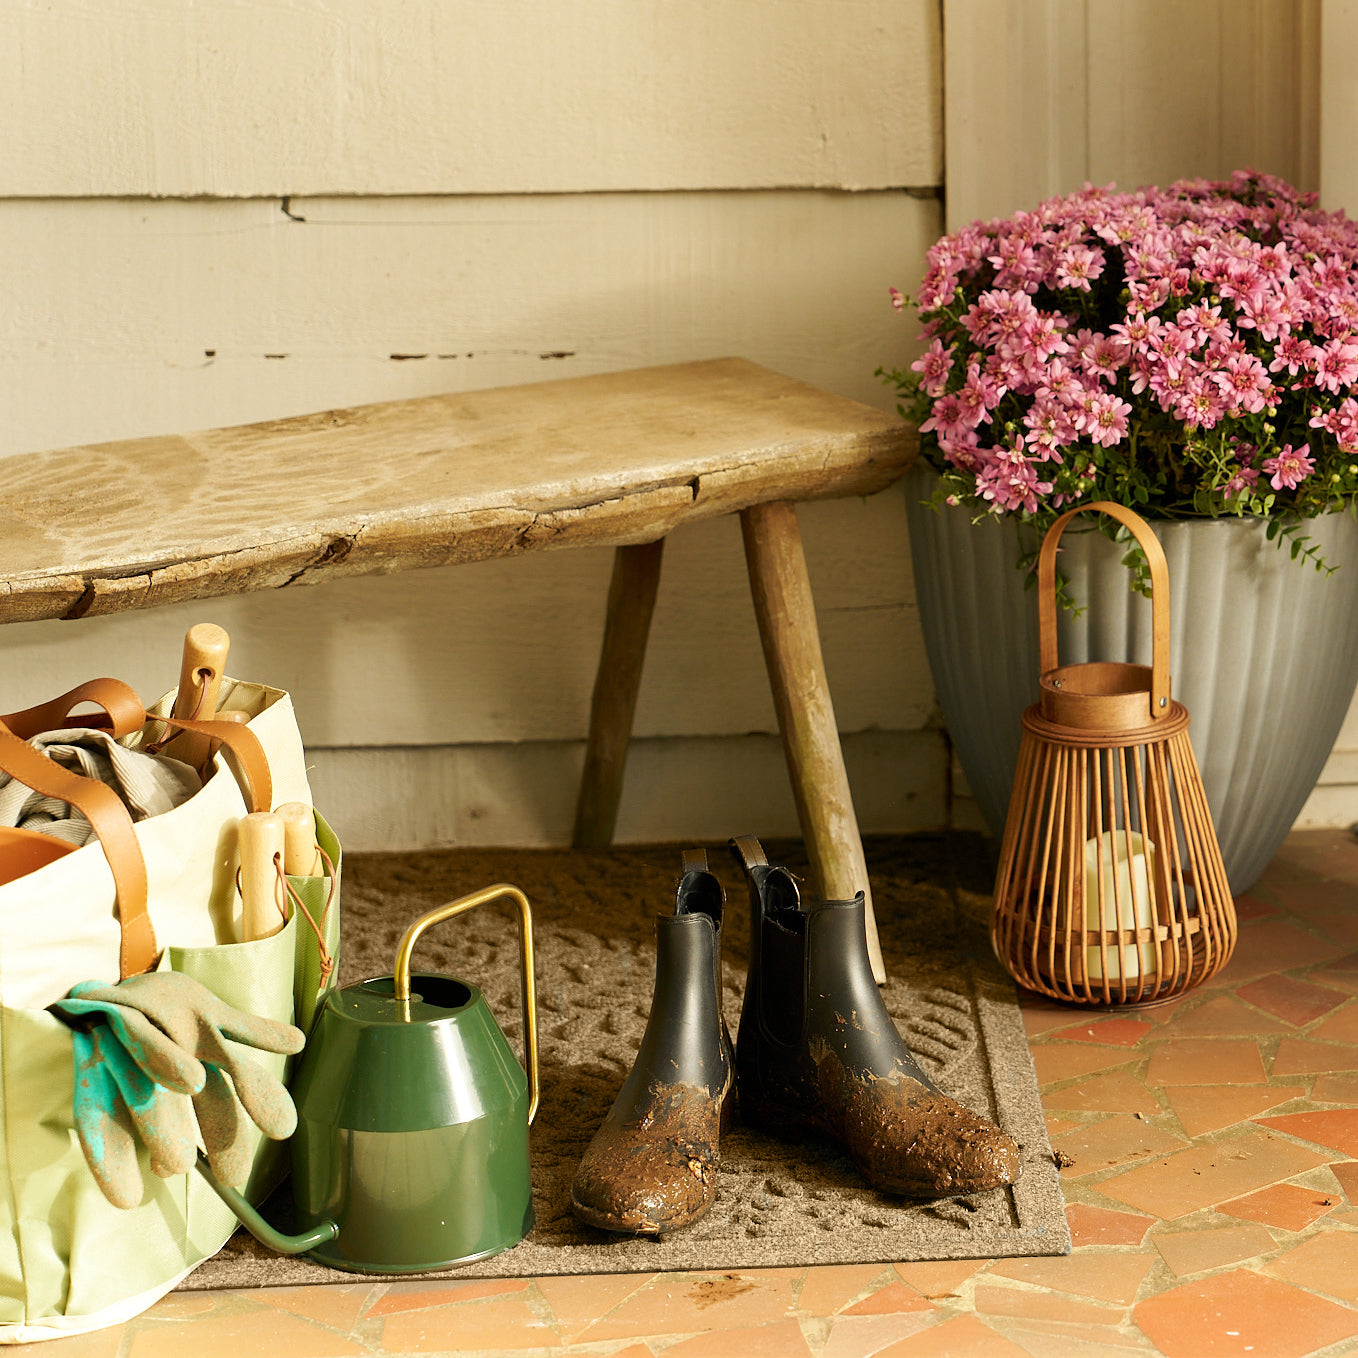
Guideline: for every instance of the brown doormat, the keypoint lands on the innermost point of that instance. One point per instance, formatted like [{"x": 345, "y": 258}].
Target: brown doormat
[{"x": 780, "y": 1203}]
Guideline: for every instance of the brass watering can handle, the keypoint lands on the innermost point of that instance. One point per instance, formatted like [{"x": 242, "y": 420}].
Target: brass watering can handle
[
  {"x": 530, "y": 1008},
  {"x": 1155, "y": 558}
]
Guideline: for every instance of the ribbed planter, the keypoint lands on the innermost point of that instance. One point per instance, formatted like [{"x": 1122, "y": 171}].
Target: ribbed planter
[{"x": 1264, "y": 653}]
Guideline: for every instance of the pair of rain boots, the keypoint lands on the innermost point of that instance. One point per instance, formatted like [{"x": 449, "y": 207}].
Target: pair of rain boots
[{"x": 816, "y": 1050}]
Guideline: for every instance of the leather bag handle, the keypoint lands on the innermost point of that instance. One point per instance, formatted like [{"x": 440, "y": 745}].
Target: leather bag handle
[
  {"x": 122, "y": 711},
  {"x": 110, "y": 818},
  {"x": 1159, "y": 570},
  {"x": 112, "y": 823}
]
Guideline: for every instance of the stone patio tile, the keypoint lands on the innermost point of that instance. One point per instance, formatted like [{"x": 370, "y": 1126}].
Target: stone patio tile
[
  {"x": 1301, "y": 1056},
  {"x": 963, "y": 1335},
  {"x": 1294, "y": 1001},
  {"x": 782, "y": 1339},
  {"x": 1196, "y": 1251},
  {"x": 1341, "y": 1026},
  {"x": 419, "y": 1296},
  {"x": 1335, "y": 1087},
  {"x": 888, "y": 1300},
  {"x": 1117, "y": 1140},
  {"x": 1103, "y": 1226},
  {"x": 1224, "y": 1016},
  {"x": 264, "y": 1330},
  {"x": 1325, "y": 1262},
  {"x": 336, "y": 1305},
  {"x": 1056, "y": 1061},
  {"x": 1251, "y": 907},
  {"x": 1120, "y": 1092},
  {"x": 1204, "y": 1060},
  {"x": 1209, "y": 1108},
  {"x": 869, "y": 1336},
  {"x": 495, "y": 1323},
  {"x": 1204, "y": 1175},
  {"x": 938, "y": 1279},
  {"x": 1287, "y": 1206},
  {"x": 828, "y": 1289},
  {"x": 685, "y": 1303},
  {"x": 1346, "y": 1171},
  {"x": 1112, "y": 1276},
  {"x": 1109, "y": 1032},
  {"x": 1242, "y": 1312},
  {"x": 1040, "y": 1018},
  {"x": 579, "y": 1300},
  {"x": 1333, "y": 1127},
  {"x": 1269, "y": 945},
  {"x": 1024, "y": 1303}
]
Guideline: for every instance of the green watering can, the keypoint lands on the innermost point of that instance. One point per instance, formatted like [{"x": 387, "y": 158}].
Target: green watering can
[{"x": 411, "y": 1149}]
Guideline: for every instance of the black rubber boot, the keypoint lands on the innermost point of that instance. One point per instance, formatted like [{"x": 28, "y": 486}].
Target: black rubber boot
[
  {"x": 816, "y": 1049},
  {"x": 652, "y": 1165}
]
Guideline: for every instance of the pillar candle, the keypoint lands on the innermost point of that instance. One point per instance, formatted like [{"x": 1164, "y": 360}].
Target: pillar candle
[{"x": 1126, "y": 884}]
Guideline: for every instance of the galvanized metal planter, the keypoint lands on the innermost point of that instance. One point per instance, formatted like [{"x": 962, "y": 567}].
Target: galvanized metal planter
[{"x": 1264, "y": 656}]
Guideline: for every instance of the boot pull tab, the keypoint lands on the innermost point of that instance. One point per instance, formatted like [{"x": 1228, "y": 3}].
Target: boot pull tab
[
  {"x": 695, "y": 860},
  {"x": 750, "y": 852}
]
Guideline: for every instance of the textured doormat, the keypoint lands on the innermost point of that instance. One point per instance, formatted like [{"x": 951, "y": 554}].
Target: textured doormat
[{"x": 780, "y": 1203}]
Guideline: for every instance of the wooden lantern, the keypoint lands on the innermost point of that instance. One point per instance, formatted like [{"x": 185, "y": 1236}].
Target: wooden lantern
[{"x": 1111, "y": 889}]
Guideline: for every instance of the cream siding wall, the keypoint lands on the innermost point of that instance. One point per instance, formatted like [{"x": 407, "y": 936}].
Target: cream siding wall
[{"x": 219, "y": 213}]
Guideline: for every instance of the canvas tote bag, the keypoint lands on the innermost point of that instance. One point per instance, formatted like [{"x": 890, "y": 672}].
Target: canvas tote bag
[{"x": 157, "y": 893}]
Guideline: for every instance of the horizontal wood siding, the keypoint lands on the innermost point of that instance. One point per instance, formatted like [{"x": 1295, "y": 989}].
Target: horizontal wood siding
[{"x": 275, "y": 97}]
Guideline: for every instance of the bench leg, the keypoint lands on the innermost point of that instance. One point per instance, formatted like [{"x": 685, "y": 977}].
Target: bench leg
[
  {"x": 815, "y": 761},
  {"x": 631, "y": 601}
]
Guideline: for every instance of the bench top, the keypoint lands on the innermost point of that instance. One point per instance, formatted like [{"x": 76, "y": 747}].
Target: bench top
[{"x": 603, "y": 460}]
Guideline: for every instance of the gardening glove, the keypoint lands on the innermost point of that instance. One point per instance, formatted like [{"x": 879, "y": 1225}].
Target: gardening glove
[
  {"x": 131, "y": 1084},
  {"x": 202, "y": 1026}
]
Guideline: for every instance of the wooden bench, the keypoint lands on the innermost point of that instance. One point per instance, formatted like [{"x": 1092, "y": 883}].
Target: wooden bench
[{"x": 615, "y": 460}]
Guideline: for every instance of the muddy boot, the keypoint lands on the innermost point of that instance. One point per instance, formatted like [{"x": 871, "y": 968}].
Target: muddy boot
[
  {"x": 816, "y": 1049},
  {"x": 652, "y": 1166}
]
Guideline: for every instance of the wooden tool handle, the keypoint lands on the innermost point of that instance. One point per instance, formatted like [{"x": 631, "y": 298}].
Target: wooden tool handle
[
  {"x": 200, "y": 680},
  {"x": 261, "y": 855},
  {"x": 200, "y": 672},
  {"x": 301, "y": 853}
]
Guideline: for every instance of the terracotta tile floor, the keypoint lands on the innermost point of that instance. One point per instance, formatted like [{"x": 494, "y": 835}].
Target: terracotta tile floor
[{"x": 1212, "y": 1199}]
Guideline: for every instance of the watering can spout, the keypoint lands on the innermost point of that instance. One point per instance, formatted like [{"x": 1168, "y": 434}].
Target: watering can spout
[{"x": 258, "y": 1227}]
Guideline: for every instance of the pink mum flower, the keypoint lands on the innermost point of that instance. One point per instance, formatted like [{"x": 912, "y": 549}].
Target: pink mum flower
[
  {"x": 1106, "y": 423},
  {"x": 1294, "y": 354},
  {"x": 1010, "y": 484},
  {"x": 948, "y": 418},
  {"x": 1077, "y": 266},
  {"x": 1337, "y": 365},
  {"x": 1290, "y": 468},
  {"x": 933, "y": 366}
]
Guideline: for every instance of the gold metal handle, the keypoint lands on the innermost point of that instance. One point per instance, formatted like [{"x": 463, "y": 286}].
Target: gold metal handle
[{"x": 530, "y": 1006}]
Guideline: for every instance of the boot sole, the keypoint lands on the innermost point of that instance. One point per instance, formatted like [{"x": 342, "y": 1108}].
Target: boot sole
[{"x": 603, "y": 1222}]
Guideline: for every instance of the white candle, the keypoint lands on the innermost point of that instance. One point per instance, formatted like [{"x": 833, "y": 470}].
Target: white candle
[{"x": 1124, "y": 902}]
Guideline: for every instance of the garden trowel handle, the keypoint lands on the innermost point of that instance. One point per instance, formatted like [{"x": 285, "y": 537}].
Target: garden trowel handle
[
  {"x": 258, "y": 1227},
  {"x": 401, "y": 979},
  {"x": 200, "y": 681}
]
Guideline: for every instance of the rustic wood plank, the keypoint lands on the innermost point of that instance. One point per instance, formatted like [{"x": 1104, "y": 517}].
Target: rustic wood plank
[{"x": 604, "y": 460}]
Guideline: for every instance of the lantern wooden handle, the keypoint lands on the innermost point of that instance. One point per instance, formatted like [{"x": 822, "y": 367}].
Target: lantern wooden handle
[{"x": 1155, "y": 557}]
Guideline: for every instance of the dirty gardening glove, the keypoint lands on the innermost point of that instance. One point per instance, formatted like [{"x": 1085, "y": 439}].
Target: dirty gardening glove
[
  {"x": 131, "y": 1084},
  {"x": 202, "y": 1026}
]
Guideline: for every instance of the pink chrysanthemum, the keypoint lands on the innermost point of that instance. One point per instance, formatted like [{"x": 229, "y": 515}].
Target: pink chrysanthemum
[{"x": 1290, "y": 468}]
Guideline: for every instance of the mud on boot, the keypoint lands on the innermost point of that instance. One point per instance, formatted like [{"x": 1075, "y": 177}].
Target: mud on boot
[
  {"x": 816, "y": 1049},
  {"x": 652, "y": 1165}
]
